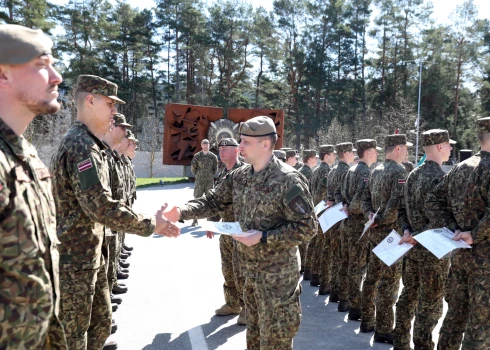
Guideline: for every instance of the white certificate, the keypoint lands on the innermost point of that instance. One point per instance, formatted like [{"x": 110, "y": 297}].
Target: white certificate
[
  {"x": 226, "y": 228},
  {"x": 331, "y": 217},
  {"x": 320, "y": 207},
  {"x": 389, "y": 251},
  {"x": 368, "y": 224},
  {"x": 439, "y": 241}
]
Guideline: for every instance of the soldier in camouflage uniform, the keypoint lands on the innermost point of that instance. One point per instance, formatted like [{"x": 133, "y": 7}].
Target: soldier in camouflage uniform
[
  {"x": 84, "y": 207},
  {"x": 384, "y": 191},
  {"x": 319, "y": 191},
  {"x": 230, "y": 265},
  {"x": 204, "y": 165},
  {"x": 460, "y": 202},
  {"x": 354, "y": 248},
  {"x": 29, "y": 277},
  {"x": 345, "y": 152},
  {"x": 280, "y": 155},
  {"x": 272, "y": 202},
  {"x": 309, "y": 159},
  {"x": 299, "y": 164},
  {"x": 423, "y": 273},
  {"x": 290, "y": 157}
]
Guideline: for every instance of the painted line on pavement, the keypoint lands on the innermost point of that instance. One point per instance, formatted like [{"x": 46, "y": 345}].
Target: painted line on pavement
[{"x": 198, "y": 341}]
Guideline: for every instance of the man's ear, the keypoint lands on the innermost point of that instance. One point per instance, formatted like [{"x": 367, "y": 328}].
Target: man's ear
[
  {"x": 4, "y": 81},
  {"x": 90, "y": 99}
]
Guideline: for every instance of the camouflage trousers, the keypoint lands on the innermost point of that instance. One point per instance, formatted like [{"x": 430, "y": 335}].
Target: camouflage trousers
[
  {"x": 314, "y": 254},
  {"x": 202, "y": 185},
  {"x": 230, "y": 266},
  {"x": 423, "y": 279},
  {"x": 113, "y": 243},
  {"x": 85, "y": 307},
  {"x": 326, "y": 260},
  {"x": 468, "y": 298},
  {"x": 336, "y": 254},
  {"x": 303, "y": 250},
  {"x": 380, "y": 289},
  {"x": 273, "y": 309},
  {"x": 354, "y": 260}
]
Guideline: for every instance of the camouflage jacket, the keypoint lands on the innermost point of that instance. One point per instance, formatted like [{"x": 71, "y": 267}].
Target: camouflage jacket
[
  {"x": 299, "y": 165},
  {"x": 320, "y": 178},
  {"x": 84, "y": 202},
  {"x": 131, "y": 180},
  {"x": 116, "y": 177},
  {"x": 334, "y": 180},
  {"x": 29, "y": 259},
  {"x": 204, "y": 166},
  {"x": 306, "y": 171},
  {"x": 385, "y": 191},
  {"x": 228, "y": 215},
  {"x": 275, "y": 200},
  {"x": 420, "y": 182},
  {"x": 351, "y": 189},
  {"x": 461, "y": 199}
]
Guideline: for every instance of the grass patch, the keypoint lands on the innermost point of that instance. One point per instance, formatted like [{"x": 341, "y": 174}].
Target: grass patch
[{"x": 155, "y": 181}]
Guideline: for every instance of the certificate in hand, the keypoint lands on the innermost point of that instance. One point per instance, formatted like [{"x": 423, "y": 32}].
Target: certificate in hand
[
  {"x": 389, "y": 251},
  {"x": 368, "y": 224},
  {"x": 320, "y": 207},
  {"x": 226, "y": 228},
  {"x": 440, "y": 241},
  {"x": 331, "y": 217}
]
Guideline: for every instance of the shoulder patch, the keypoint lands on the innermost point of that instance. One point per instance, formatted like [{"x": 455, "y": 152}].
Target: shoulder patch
[
  {"x": 299, "y": 205},
  {"x": 401, "y": 181},
  {"x": 85, "y": 165},
  {"x": 87, "y": 173}
]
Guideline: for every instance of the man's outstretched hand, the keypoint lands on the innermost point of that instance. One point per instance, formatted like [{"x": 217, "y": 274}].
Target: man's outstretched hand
[
  {"x": 164, "y": 226},
  {"x": 172, "y": 214}
]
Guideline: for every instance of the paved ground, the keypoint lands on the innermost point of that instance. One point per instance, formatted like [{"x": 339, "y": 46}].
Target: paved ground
[{"x": 176, "y": 284}]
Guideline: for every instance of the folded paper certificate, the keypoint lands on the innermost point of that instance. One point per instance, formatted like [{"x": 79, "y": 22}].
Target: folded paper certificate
[
  {"x": 226, "y": 228},
  {"x": 439, "y": 241},
  {"x": 331, "y": 217},
  {"x": 368, "y": 224},
  {"x": 389, "y": 251},
  {"x": 320, "y": 207}
]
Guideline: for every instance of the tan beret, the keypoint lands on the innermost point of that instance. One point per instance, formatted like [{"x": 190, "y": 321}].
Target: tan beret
[
  {"x": 397, "y": 139},
  {"x": 435, "y": 137},
  {"x": 20, "y": 44},
  {"x": 120, "y": 120},
  {"x": 228, "y": 142},
  {"x": 97, "y": 85},
  {"x": 257, "y": 127}
]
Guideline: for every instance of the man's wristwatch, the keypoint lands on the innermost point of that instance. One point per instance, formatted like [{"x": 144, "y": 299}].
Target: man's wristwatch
[{"x": 264, "y": 237}]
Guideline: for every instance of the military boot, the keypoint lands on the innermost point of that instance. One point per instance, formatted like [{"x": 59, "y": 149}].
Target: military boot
[
  {"x": 116, "y": 299},
  {"x": 119, "y": 289},
  {"x": 126, "y": 247},
  {"x": 344, "y": 306},
  {"x": 324, "y": 289},
  {"x": 114, "y": 307},
  {"x": 383, "y": 337},
  {"x": 123, "y": 256},
  {"x": 195, "y": 223},
  {"x": 226, "y": 310},
  {"x": 122, "y": 276},
  {"x": 307, "y": 274},
  {"x": 127, "y": 252},
  {"x": 110, "y": 345},
  {"x": 123, "y": 264},
  {"x": 365, "y": 328},
  {"x": 354, "y": 314},
  {"x": 315, "y": 280},
  {"x": 242, "y": 318},
  {"x": 334, "y": 297},
  {"x": 113, "y": 326}
]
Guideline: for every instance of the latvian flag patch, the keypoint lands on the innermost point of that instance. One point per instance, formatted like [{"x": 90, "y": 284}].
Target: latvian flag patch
[
  {"x": 401, "y": 181},
  {"x": 84, "y": 165}
]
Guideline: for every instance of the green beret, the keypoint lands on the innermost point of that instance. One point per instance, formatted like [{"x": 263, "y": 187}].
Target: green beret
[
  {"x": 483, "y": 125},
  {"x": 309, "y": 153},
  {"x": 280, "y": 154},
  {"x": 290, "y": 153},
  {"x": 228, "y": 142},
  {"x": 397, "y": 139},
  {"x": 344, "y": 147},
  {"x": 97, "y": 85},
  {"x": 327, "y": 148},
  {"x": 258, "y": 127},
  {"x": 20, "y": 44},
  {"x": 435, "y": 137},
  {"x": 120, "y": 119},
  {"x": 367, "y": 144}
]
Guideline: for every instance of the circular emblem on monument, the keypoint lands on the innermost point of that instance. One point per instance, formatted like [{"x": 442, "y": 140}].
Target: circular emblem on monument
[
  {"x": 390, "y": 240},
  {"x": 222, "y": 129}
]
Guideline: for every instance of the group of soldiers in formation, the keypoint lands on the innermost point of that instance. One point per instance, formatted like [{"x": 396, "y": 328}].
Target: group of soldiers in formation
[
  {"x": 340, "y": 261},
  {"x": 62, "y": 231}
]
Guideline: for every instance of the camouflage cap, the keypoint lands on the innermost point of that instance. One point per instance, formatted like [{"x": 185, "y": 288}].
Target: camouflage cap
[
  {"x": 397, "y": 139},
  {"x": 326, "y": 149},
  {"x": 290, "y": 153},
  {"x": 367, "y": 144},
  {"x": 344, "y": 147},
  {"x": 228, "y": 142},
  {"x": 280, "y": 154},
  {"x": 204, "y": 141},
  {"x": 435, "y": 137},
  {"x": 257, "y": 127},
  {"x": 21, "y": 44},
  {"x": 309, "y": 153},
  {"x": 120, "y": 120},
  {"x": 97, "y": 85},
  {"x": 285, "y": 149},
  {"x": 483, "y": 125},
  {"x": 130, "y": 135}
]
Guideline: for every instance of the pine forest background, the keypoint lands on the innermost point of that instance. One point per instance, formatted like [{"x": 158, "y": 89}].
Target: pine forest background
[{"x": 340, "y": 69}]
